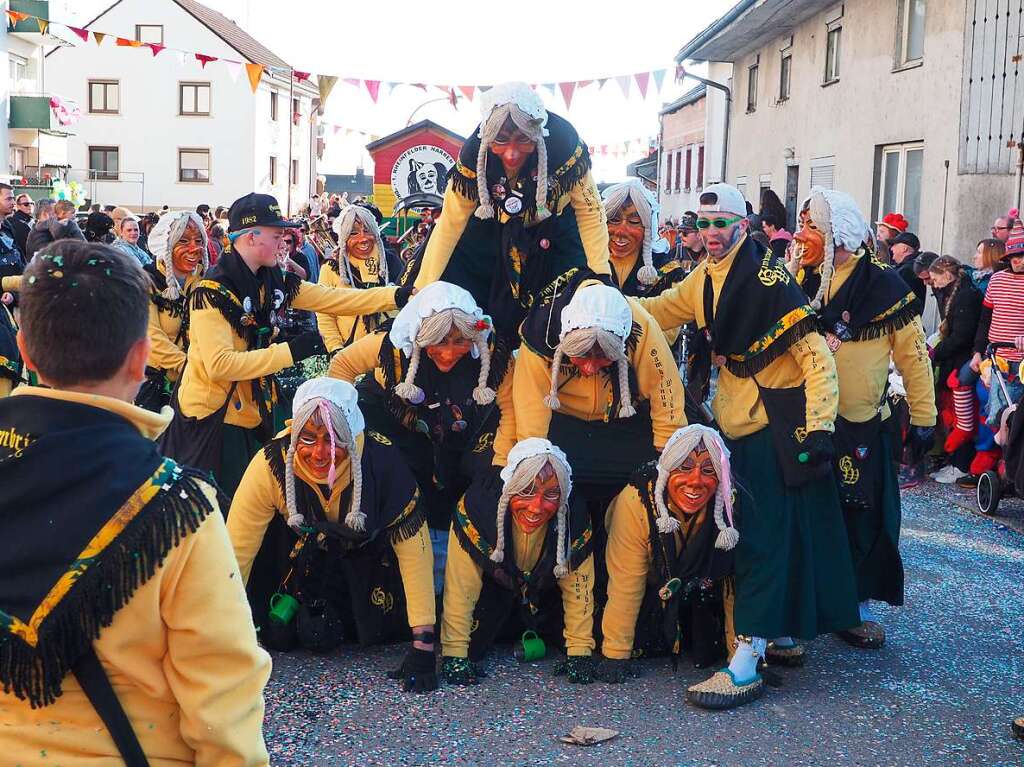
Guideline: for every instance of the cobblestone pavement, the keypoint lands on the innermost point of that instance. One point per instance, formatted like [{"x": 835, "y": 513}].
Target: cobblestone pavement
[{"x": 941, "y": 692}]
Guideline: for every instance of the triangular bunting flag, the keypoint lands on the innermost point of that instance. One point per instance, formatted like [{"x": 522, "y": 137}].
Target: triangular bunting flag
[
  {"x": 126, "y": 43},
  {"x": 234, "y": 68},
  {"x": 156, "y": 48},
  {"x": 659, "y": 78},
  {"x": 642, "y": 78},
  {"x": 43, "y": 25},
  {"x": 336, "y": 128},
  {"x": 203, "y": 59},
  {"x": 623, "y": 82},
  {"x": 601, "y": 81},
  {"x": 326, "y": 84},
  {"x": 391, "y": 86},
  {"x": 550, "y": 87},
  {"x": 680, "y": 72},
  {"x": 301, "y": 76},
  {"x": 583, "y": 83},
  {"x": 16, "y": 16},
  {"x": 453, "y": 98},
  {"x": 604, "y": 149},
  {"x": 255, "y": 72},
  {"x": 467, "y": 91},
  {"x": 99, "y": 37},
  {"x": 421, "y": 86},
  {"x": 180, "y": 56},
  {"x": 567, "y": 90},
  {"x": 351, "y": 81},
  {"x": 82, "y": 33},
  {"x": 373, "y": 88}
]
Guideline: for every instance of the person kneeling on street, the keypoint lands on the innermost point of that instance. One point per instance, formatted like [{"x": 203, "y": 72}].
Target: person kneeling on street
[
  {"x": 669, "y": 557},
  {"x": 329, "y": 508},
  {"x": 549, "y": 552}
]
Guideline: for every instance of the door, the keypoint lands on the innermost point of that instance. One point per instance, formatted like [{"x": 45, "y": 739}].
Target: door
[{"x": 792, "y": 184}]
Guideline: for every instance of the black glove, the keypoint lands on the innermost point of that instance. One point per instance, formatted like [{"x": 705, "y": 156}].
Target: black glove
[
  {"x": 816, "y": 449},
  {"x": 922, "y": 439},
  {"x": 615, "y": 671},
  {"x": 403, "y": 294},
  {"x": 306, "y": 345},
  {"x": 461, "y": 671},
  {"x": 418, "y": 671},
  {"x": 579, "y": 669}
]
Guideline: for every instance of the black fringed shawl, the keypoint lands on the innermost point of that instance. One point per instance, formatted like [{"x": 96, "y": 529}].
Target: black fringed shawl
[
  {"x": 568, "y": 163},
  {"x": 542, "y": 326},
  {"x": 873, "y": 302},
  {"x": 90, "y": 510},
  {"x": 10, "y": 359},
  {"x": 390, "y": 498},
  {"x": 761, "y": 311},
  {"x": 476, "y": 527}
]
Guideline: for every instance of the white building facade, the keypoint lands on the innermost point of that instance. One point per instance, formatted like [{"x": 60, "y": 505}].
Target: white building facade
[
  {"x": 891, "y": 101},
  {"x": 156, "y": 131}
]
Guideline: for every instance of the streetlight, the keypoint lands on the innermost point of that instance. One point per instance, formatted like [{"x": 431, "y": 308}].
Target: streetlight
[{"x": 431, "y": 101}]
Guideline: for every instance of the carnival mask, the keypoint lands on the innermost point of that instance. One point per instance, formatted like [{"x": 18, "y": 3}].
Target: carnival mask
[
  {"x": 810, "y": 242},
  {"x": 693, "y": 483},
  {"x": 187, "y": 252},
  {"x": 313, "y": 450},
  {"x": 536, "y": 505},
  {"x": 360, "y": 243},
  {"x": 593, "y": 362},
  {"x": 426, "y": 177},
  {"x": 513, "y": 148},
  {"x": 625, "y": 232},
  {"x": 453, "y": 348}
]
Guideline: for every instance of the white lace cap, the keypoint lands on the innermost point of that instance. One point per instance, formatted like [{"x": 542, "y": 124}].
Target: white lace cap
[
  {"x": 341, "y": 394},
  {"x": 435, "y": 297},
  {"x": 516, "y": 93},
  {"x": 528, "y": 448},
  {"x": 597, "y": 306}
]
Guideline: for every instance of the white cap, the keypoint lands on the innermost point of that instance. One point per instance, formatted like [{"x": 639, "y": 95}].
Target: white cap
[
  {"x": 434, "y": 298},
  {"x": 597, "y": 306},
  {"x": 528, "y": 448},
  {"x": 729, "y": 199},
  {"x": 341, "y": 394},
  {"x": 520, "y": 94}
]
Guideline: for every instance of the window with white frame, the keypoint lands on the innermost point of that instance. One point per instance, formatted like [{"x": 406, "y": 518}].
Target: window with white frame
[
  {"x": 910, "y": 31},
  {"x": 785, "y": 73},
  {"x": 104, "y": 97},
  {"x": 741, "y": 185},
  {"x": 833, "y": 49},
  {"x": 899, "y": 184},
  {"x": 18, "y": 66},
  {"x": 194, "y": 166},
  {"x": 273, "y": 170},
  {"x": 823, "y": 172},
  {"x": 194, "y": 99},
  {"x": 295, "y": 172},
  {"x": 273, "y": 105},
  {"x": 149, "y": 33},
  {"x": 752, "y": 86},
  {"x": 104, "y": 162}
]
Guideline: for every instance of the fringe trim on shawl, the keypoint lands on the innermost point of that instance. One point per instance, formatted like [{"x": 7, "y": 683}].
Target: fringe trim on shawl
[
  {"x": 778, "y": 347},
  {"x": 127, "y": 564}
]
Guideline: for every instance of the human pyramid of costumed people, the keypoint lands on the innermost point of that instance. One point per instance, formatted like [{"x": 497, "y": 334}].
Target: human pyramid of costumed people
[{"x": 504, "y": 446}]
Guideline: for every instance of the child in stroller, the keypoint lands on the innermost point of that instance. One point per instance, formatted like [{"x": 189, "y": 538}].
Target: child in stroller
[{"x": 1005, "y": 395}]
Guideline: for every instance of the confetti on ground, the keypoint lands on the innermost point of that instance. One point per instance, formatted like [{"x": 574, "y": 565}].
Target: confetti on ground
[{"x": 942, "y": 691}]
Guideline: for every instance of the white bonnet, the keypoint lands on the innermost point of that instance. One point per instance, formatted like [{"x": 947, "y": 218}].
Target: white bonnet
[
  {"x": 597, "y": 306},
  {"x": 435, "y": 297}
]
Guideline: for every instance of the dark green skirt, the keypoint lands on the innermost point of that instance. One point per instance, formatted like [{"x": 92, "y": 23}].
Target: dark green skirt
[
  {"x": 874, "y": 533},
  {"x": 794, "y": 576},
  {"x": 238, "y": 446}
]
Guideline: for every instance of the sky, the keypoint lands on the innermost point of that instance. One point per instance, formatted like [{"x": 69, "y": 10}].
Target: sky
[{"x": 466, "y": 44}]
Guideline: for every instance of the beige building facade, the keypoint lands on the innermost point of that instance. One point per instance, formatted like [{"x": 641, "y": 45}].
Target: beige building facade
[
  {"x": 900, "y": 103},
  {"x": 681, "y": 175}
]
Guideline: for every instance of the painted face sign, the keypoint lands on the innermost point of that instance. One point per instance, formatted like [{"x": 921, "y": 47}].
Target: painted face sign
[{"x": 422, "y": 168}]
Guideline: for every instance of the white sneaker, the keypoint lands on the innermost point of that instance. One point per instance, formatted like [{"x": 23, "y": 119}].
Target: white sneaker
[
  {"x": 949, "y": 475},
  {"x": 941, "y": 473}
]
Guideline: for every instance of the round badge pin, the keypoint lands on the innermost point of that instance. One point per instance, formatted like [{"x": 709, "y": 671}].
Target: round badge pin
[
  {"x": 513, "y": 205},
  {"x": 846, "y": 316},
  {"x": 545, "y": 244}
]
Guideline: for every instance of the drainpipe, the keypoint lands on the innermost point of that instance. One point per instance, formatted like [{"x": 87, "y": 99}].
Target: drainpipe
[
  {"x": 1020, "y": 172},
  {"x": 945, "y": 191},
  {"x": 728, "y": 110}
]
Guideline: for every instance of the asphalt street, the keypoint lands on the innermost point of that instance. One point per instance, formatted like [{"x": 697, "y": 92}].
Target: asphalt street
[{"x": 941, "y": 692}]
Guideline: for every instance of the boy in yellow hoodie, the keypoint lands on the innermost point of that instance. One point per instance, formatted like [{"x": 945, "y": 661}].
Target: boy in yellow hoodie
[{"x": 126, "y": 636}]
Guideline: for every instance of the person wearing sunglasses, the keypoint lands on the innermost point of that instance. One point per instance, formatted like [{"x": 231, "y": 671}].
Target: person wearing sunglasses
[
  {"x": 520, "y": 554},
  {"x": 521, "y": 208},
  {"x": 776, "y": 405},
  {"x": 21, "y": 220}
]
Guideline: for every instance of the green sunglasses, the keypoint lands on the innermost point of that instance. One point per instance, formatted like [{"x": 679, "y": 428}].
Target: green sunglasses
[{"x": 718, "y": 223}]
